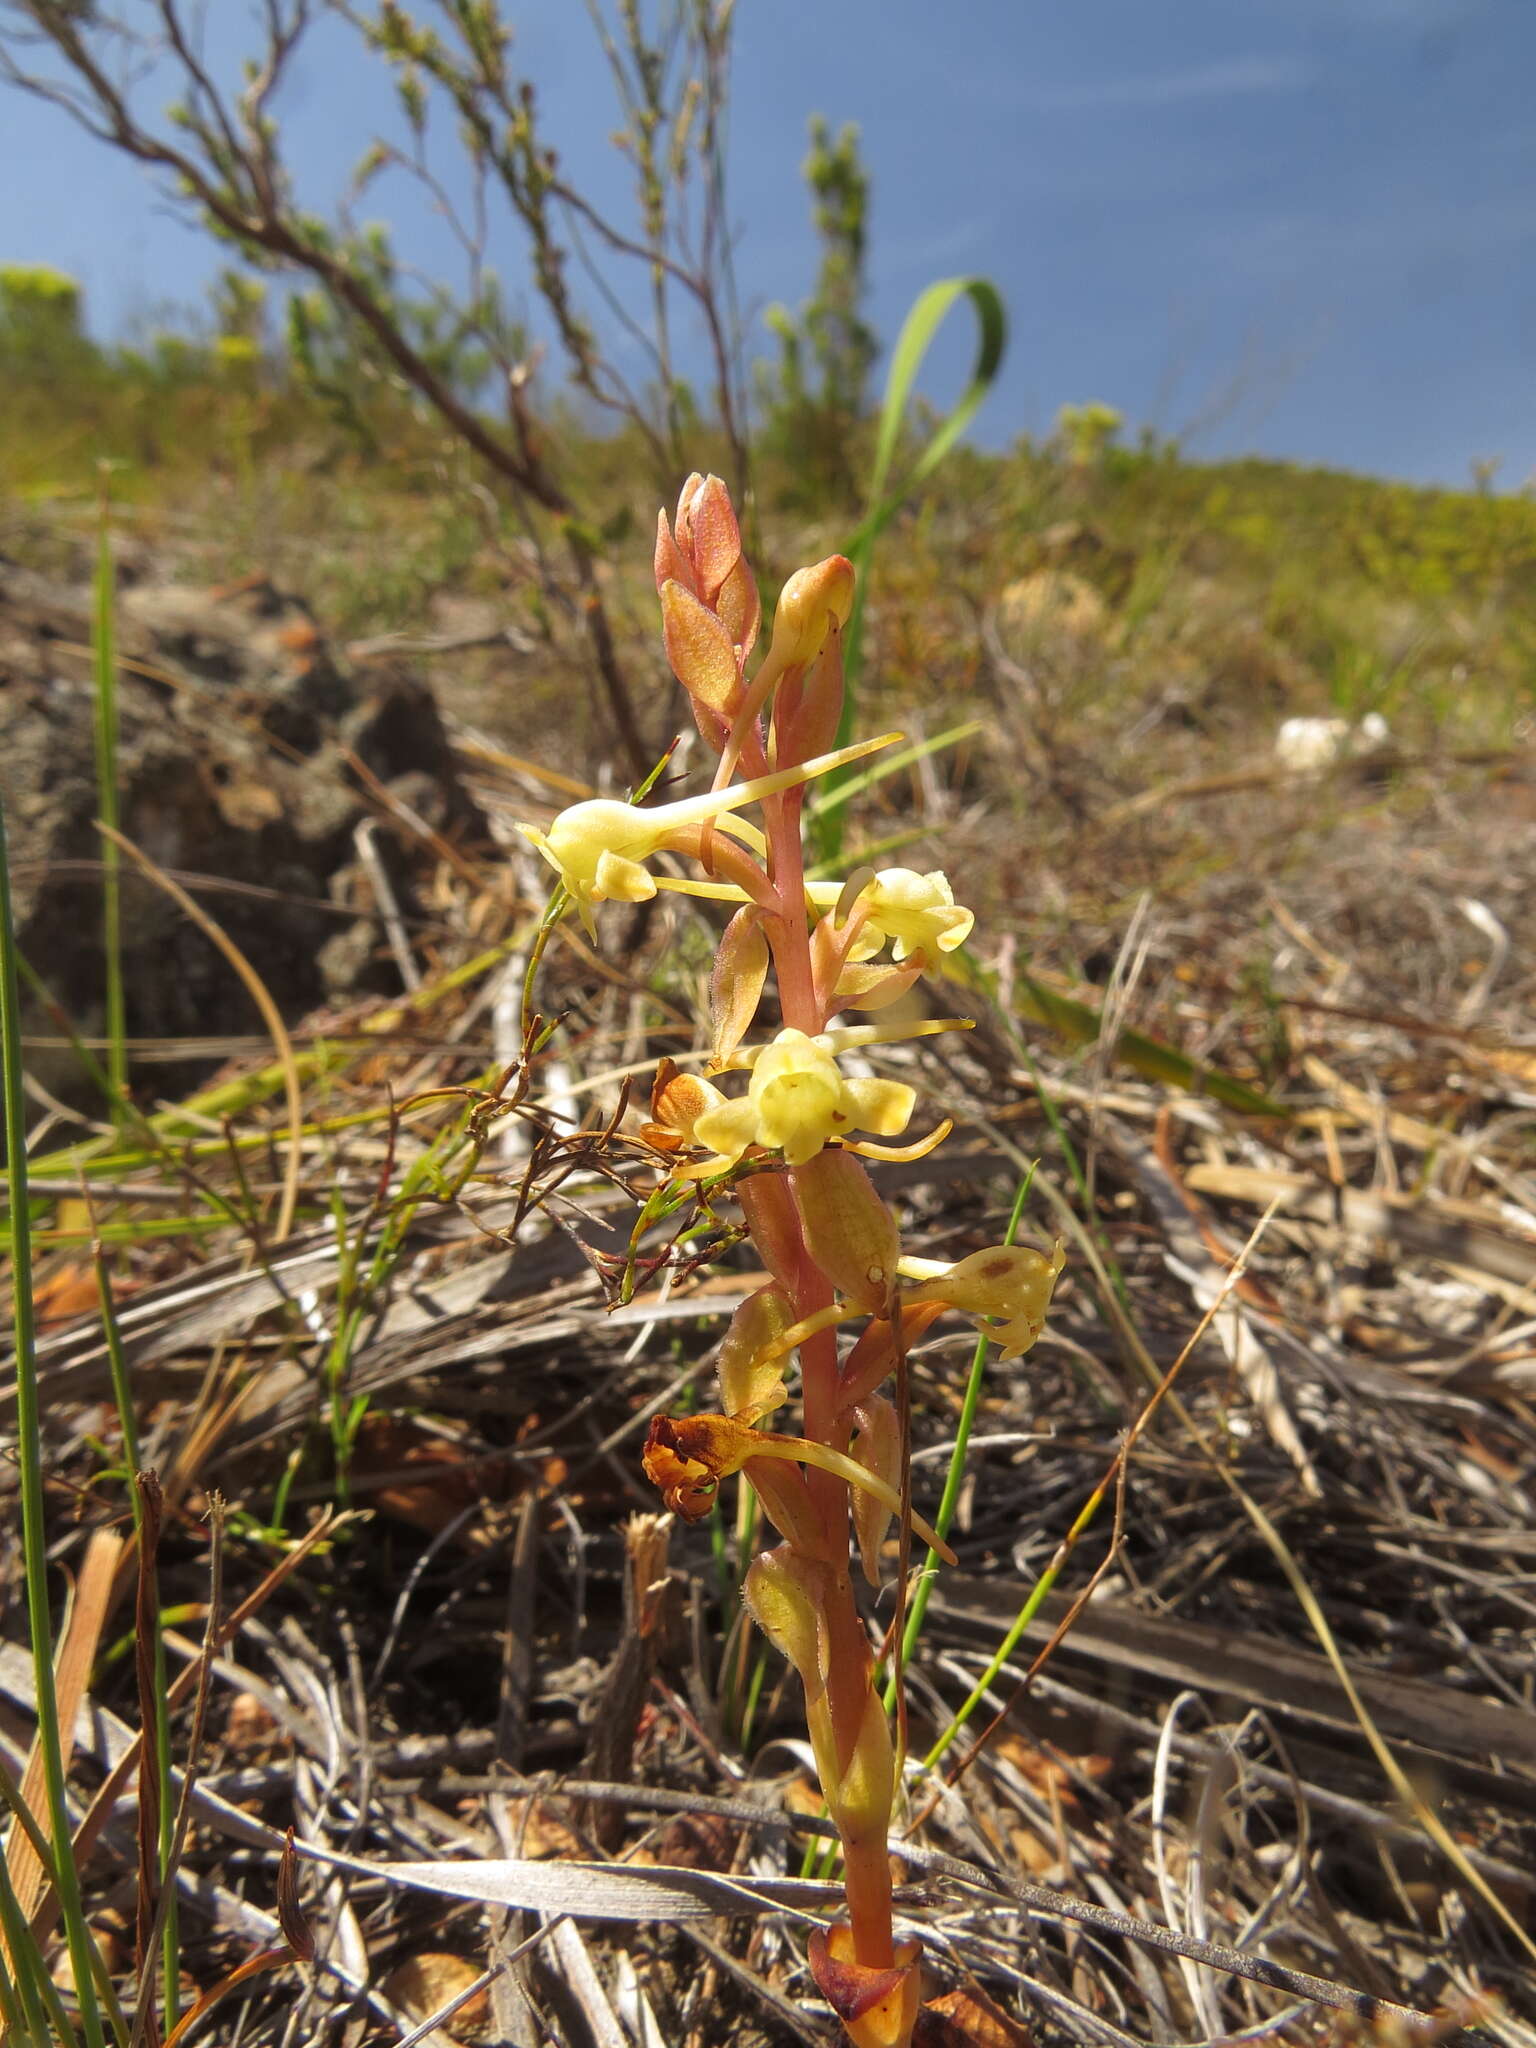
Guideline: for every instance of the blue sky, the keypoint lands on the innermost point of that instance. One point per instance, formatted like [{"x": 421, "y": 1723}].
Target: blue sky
[{"x": 1294, "y": 227}]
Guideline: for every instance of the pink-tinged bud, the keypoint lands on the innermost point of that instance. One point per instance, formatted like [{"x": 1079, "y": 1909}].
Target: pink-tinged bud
[
  {"x": 708, "y": 532},
  {"x": 878, "y": 2008},
  {"x": 786, "y": 1594},
  {"x": 741, "y": 613},
  {"x": 670, "y": 563},
  {"x": 683, "y": 520},
  {"x": 849, "y": 1231},
  {"x": 736, "y": 987},
  {"x": 811, "y": 604},
  {"x": 700, "y": 650},
  {"x": 750, "y": 1386},
  {"x": 877, "y": 1447}
]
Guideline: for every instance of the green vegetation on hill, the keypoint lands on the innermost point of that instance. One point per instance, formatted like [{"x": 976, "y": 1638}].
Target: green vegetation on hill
[{"x": 1235, "y": 592}]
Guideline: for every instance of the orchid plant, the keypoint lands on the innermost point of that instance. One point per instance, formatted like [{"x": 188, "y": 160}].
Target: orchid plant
[{"x": 790, "y": 1147}]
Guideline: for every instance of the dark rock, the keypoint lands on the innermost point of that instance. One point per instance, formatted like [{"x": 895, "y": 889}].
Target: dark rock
[{"x": 238, "y": 774}]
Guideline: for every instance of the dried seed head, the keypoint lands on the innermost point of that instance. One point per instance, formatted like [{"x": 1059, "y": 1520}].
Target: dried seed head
[{"x": 678, "y": 1100}]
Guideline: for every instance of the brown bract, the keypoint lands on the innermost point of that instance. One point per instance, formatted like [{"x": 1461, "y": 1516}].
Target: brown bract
[{"x": 877, "y": 2007}]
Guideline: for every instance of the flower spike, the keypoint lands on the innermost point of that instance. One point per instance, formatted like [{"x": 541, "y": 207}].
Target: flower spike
[{"x": 787, "y": 1144}]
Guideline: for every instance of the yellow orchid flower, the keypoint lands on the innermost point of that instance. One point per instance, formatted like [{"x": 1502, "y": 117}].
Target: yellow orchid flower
[
  {"x": 1005, "y": 1289},
  {"x": 798, "y": 1098},
  {"x": 598, "y": 848},
  {"x": 899, "y": 904}
]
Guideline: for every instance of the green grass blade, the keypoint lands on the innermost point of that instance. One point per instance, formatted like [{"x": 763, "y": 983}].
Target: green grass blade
[
  {"x": 20, "y": 1942},
  {"x": 1033, "y": 1601},
  {"x": 892, "y": 764},
  {"x": 28, "y": 1988},
  {"x": 954, "y": 1478},
  {"x": 29, "y": 1456},
  {"x": 927, "y": 316},
  {"x": 104, "y": 667},
  {"x": 89, "y": 1065},
  {"x": 1150, "y": 1057},
  {"x": 1080, "y": 1025}
]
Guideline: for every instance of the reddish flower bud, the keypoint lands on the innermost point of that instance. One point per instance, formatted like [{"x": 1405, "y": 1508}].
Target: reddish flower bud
[
  {"x": 670, "y": 563},
  {"x": 708, "y": 535},
  {"x": 809, "y": 704},
  {"x": 700, "y": 650},
  {"x": 741, "y": 612}
]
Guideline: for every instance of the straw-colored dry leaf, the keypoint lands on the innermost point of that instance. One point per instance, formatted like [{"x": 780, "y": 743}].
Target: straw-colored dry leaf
[
  {"x": 1046, "y": 1773},
  {"x": 595, "y": 1891},
  {"x": 422, "y": 1985},
  {"x": 967, "y": 2019},
  {"x": 543, "y": 1833}
]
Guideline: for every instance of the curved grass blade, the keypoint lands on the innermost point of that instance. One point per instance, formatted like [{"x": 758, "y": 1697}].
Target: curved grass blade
[
  {"x": 29, "y": 1458},
  {"x": 886, "y": 499}
]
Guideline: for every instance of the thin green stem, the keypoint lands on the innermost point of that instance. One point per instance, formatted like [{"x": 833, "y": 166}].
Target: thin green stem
[
  {"x": 28, "y": 1985},
  {"x": 104, "y": 661},
  {"x": 954, "y": 1479},
  {"x": 28, "y": 1953},
  {"x": 1026, "y": 1614},
  {"x": 89, "y": 1065},
  {"x": 29, "y": 1452}
]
